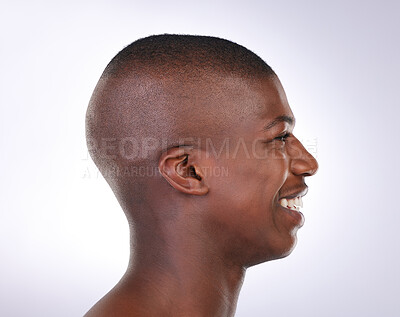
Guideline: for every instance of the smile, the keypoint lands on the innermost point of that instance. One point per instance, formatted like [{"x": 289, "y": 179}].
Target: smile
[
  {"x": 292, "y": 206},
  {"x": 292, "y": 203}
]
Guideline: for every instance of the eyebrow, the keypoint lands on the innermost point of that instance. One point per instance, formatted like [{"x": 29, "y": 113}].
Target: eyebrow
[{"x": 277, "y": 120}]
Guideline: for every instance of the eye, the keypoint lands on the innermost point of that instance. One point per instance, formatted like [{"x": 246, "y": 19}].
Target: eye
[{"x": 283, "y": 137}]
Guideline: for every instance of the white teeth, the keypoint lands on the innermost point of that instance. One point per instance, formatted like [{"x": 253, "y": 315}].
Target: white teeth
[{"x": 293, "y": 203}]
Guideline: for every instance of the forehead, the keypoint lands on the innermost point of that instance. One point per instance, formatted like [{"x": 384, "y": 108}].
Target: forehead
[
  {"x": 271, "y": 99},
  {"x": 262, "y": 103},
  {"x": 250, "y": 105}
]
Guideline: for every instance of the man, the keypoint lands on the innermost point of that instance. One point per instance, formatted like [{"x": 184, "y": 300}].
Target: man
[{"x": 194, "y": 136}]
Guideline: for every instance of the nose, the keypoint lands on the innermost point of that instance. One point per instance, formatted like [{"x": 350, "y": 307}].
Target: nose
[{"x": 301, "y": 161}]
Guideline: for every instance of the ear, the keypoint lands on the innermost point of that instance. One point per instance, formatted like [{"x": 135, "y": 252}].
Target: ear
[{"x": 178, "y": 166}]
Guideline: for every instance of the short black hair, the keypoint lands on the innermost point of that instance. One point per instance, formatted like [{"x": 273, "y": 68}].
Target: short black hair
[
  {"x": 188, "y": 55},
  {"x": 149, "y": 91}
]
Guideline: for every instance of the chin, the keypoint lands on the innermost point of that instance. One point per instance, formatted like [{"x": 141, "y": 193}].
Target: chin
[
  {"x": 288, "y": 247},
  {"x": 276, "y": 252},
  {"x": 286, "y": 253}
]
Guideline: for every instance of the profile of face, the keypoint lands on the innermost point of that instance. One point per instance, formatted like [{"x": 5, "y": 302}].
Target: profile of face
[
  {"x": 254, "y": 179},
  {"x": 262, "y": 180},
  {"x": 229, "y": 177}
]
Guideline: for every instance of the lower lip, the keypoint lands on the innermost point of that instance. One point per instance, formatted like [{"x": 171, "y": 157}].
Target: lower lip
[{"x": 296, "y": 216}]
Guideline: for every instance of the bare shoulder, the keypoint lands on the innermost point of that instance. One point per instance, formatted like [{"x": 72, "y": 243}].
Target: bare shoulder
[{"x": 113, "y": 305}]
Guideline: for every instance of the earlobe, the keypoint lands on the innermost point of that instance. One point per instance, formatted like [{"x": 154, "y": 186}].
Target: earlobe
[{"x": 178, "y": 167}]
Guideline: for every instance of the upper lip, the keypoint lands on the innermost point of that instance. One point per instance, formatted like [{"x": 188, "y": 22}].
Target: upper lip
[{"x": 300, "y": 193}]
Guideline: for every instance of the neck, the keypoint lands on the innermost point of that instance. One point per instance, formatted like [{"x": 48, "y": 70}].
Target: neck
[{"x": 176, "y": 271}]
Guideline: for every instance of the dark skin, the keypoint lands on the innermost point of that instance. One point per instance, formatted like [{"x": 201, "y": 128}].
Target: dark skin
[{"x": 199, "y": 234}]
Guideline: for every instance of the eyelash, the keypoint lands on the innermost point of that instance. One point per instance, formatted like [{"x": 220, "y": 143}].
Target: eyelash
[{"x": 283, "y": 137}]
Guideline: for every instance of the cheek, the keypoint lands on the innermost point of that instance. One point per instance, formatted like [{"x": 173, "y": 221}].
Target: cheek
[
  {"x": 274, "y": 169},
  {"x": 277, "y": 170},
  {"x": 242, "y": 206},
  {"x": 245, "y": 178},
  {"x": 249, "y": 187}
]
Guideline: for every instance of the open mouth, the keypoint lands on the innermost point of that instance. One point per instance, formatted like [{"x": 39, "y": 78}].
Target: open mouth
[
  {"x": 292, "y": 203},
  {"x": 292, "y": 207}
]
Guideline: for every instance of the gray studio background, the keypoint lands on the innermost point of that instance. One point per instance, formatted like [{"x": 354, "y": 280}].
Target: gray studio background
[{"x": 63, "y": 237}]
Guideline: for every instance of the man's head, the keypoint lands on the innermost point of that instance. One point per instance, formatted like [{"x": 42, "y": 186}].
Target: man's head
[{"x": 195, "y": 133}]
